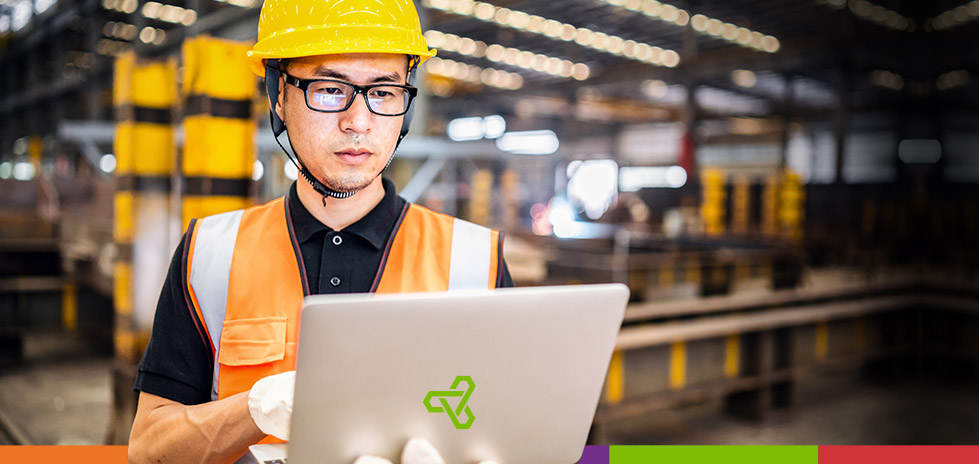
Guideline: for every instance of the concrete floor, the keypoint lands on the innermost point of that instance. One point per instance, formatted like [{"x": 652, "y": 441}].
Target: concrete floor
[
  {"x": 835, "y": 409},
  {"x": 60, "y": 394},
  {"x": 64, "y": 399}
]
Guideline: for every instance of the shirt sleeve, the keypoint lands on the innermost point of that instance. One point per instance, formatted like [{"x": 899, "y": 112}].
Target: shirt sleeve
[
  {"x": 177, "y": 363},
  {"x": 503, "y": 279}
]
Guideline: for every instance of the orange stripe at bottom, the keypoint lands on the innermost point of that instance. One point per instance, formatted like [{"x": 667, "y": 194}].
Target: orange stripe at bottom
[{"x": 64, "y": 454}]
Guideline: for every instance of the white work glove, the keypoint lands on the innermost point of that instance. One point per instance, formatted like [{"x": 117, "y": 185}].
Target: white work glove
[
  {"x": 417, "y": 451},
  {"x": 270, "y": 404}
]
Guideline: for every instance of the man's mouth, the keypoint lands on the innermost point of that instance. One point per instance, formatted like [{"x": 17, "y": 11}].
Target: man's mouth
[{"x": 354, "y": 155}]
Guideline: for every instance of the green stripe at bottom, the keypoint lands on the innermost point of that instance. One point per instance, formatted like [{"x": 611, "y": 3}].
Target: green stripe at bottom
[{"x": 713, "y": 454}]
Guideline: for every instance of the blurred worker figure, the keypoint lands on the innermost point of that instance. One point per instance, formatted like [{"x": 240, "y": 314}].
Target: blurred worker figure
[{"x": 217, "y": 375}]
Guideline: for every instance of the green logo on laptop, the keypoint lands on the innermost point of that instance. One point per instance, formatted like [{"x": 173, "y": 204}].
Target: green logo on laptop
[{"x": 444, "y": 395}]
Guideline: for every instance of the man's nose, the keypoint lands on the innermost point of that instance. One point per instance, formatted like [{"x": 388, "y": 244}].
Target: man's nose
[{"x": 357, "y": 118}]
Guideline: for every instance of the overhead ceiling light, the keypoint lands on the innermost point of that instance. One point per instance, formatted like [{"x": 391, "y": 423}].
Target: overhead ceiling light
[
  {"x": 919, "y": 151},
  {"x": 500, "y": 54},
  {"x": 476, "y": 128},
  {"x": 635, "y": 178},
  {"x": 557, "y": 30},
  {"x": 952, "y": 79},
  {"x": 887, "y": 79},
  {"x": 954, "y": 17},
  {"x": 744, "y": 78},
  {"x": 539, "y": 142},
  {"x": 701, "y": 23},
  {"x": 40, "y": 6},
  {"x": 107, "y": 163},
  {"x": 473, "y": 74},
  {"x": 465, "y": 129},
  {"x": 875, "y": 13},
  {"x": 654, "y": 88},
  {"x": 169, "y": 13}
]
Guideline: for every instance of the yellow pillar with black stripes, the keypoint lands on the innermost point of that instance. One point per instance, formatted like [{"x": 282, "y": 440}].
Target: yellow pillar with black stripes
[
  {"x": 712, "y": 209},
  {"x": 144, "y": 94},
  {"x": 219, "y": 149},
  {"x": 791, "y": 204}
]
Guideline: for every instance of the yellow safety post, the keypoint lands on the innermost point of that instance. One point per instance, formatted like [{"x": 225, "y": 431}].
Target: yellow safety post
[
  {"x": 219, "y": 149},
  {"x": 741, "y": 206},
  {"x": 34, "y": 152},
  {"x": 480, "y": 195},
  {"x": 822, "y": 340},
  {"x": 678, "y": 365},
  {"x": 791, "y": 204},
  {"x": 732, "y": 356},
  {"x": 69, "y": 307},
  {"x": 615, "y": 381},
  {"x": 712, "y": 206}
]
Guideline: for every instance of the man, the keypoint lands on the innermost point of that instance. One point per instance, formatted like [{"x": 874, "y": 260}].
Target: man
[{"x": 217, "y": 373}]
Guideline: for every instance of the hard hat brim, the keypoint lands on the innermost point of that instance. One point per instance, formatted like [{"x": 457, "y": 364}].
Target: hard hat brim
[{"x": 313, "y": 41}]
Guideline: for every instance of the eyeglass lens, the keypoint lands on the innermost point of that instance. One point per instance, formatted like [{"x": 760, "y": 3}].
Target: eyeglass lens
[{"x": 335, "y": 96}]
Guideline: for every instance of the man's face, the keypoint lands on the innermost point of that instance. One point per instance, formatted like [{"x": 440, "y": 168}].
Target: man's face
[{"x": 346, "y": 150}]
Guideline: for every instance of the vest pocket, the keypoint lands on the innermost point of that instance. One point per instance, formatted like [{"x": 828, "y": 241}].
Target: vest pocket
[{"x": 247, "y": 342}]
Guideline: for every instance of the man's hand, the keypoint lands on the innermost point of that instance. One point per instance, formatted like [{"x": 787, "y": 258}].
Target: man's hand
[
  {"x": 270, "y": 403},
  {"x": 417, "y": 451}
]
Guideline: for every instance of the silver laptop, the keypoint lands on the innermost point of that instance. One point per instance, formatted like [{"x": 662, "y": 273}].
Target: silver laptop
[{"x": 510, "y": 375}]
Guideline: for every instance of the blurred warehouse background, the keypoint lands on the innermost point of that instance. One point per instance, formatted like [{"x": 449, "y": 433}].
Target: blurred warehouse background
[{"x": 789, "y": 187}]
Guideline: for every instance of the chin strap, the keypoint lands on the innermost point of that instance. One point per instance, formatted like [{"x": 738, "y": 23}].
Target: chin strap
[{"x": 272, "y": 74}]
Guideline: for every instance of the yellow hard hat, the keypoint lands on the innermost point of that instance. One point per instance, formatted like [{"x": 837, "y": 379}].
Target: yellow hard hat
[{"x": 296, "y": 28}]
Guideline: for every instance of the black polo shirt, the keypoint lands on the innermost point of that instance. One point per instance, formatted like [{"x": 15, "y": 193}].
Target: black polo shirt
[{"x": 178, "y": 364}]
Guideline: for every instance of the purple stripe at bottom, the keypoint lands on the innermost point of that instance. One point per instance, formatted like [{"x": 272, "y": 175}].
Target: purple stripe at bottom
[{"x": 594, "y": 455}]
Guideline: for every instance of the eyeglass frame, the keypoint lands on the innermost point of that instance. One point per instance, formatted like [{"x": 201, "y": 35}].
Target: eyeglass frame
[{"x": 303, "y": 84}]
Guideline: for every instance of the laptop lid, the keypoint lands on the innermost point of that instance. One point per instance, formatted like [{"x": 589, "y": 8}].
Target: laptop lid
[{"x": 510, "y": 375}]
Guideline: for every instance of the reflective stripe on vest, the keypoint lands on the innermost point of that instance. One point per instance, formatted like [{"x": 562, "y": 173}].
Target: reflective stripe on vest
[
  {"x": 251, "y": 260},
  {"x": 469, "y": 263},
  {"x": 213, "y": 248}
]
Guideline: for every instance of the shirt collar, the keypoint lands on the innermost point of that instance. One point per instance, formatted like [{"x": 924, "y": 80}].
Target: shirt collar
[{"x": 375, "y": 227}]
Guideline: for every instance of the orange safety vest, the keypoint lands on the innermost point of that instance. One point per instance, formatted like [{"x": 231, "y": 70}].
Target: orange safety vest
[{"x": 246, "y": 280}]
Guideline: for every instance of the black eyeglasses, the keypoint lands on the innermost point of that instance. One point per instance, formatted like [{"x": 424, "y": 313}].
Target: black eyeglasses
[{"x": 333, "y": 96}]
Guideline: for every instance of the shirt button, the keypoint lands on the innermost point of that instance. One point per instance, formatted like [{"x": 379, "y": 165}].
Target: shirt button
[
  {"x": 335, "y": 281},
  {"x": 337, "y": 240}
]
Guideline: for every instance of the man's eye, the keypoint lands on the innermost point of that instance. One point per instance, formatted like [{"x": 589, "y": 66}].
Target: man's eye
[{"x": 327, "y": 99}]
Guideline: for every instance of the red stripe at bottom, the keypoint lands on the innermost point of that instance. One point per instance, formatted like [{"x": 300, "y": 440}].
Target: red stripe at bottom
[{"x": 899, "y": 454}]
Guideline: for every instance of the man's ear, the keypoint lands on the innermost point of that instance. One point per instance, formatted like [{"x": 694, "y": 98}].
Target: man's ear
[{"x": 279, "y": 104}]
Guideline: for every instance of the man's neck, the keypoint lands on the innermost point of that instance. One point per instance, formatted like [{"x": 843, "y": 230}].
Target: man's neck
[{"x": 337, "y": 213}]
